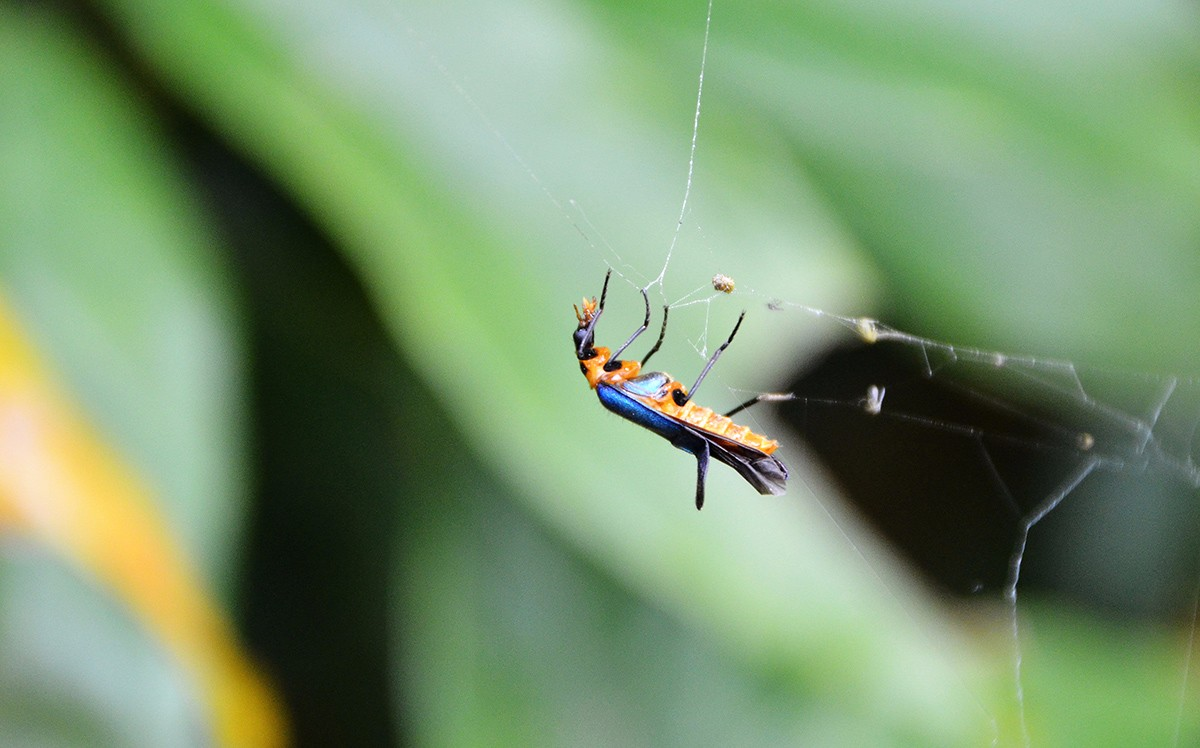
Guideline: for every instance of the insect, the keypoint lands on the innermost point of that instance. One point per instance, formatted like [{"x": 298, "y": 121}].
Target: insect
[{"x": 661, "y": 404}]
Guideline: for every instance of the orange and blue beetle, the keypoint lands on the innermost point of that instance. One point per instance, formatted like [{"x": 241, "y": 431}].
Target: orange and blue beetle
[{"x": 661, "y": 404}]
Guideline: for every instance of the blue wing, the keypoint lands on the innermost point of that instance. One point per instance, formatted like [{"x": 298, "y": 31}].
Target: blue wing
[{"x": 763, "y": 471}]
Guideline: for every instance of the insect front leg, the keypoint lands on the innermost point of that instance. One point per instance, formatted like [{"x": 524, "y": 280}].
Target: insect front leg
[
  {"x": 614, "y": 363},
  {"x": 701, "y": 473}
]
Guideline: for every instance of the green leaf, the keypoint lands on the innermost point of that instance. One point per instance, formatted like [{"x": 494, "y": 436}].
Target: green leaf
[
  {"x": 76, "y": 669},
  {"x": 124, "y": 313},
  {"x": 107, "y": 261}
]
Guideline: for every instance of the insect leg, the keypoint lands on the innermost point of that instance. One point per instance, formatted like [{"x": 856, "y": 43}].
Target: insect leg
[
  {"x": 661, "y": 334},
  {"x": 585, "y": 335},
  {"x": 701, "y": 473},
  {"x": 645, "y": 323},
  {"x": 681, "y": 399},
  {"x": 603, "y": 296},
  {"x": 765, "y": 397},
  {"x": 604, "y": 291}
]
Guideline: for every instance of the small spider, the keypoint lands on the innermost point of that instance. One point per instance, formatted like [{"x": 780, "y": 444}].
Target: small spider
[{"x": 723, "y": 283}]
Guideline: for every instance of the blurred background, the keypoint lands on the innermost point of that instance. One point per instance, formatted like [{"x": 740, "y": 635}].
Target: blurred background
[{"x": 293, "y": 449}]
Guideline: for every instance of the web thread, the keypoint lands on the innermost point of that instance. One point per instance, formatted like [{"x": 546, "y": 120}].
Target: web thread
[{"x": 1125, "y": 439}]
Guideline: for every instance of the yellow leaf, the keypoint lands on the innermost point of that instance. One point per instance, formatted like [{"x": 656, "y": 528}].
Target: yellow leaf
[{"x": 61, "y": 485}]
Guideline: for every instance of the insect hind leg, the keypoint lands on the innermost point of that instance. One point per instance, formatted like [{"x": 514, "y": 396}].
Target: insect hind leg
[{"x": 770, "y": 397}]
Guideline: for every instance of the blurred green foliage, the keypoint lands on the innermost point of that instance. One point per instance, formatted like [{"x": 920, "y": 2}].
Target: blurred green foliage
[{"x": 449, "y": 542}]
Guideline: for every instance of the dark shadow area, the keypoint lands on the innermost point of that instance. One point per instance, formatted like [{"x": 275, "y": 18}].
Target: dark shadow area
[
  {"x": 328, "y": 434},
  {"x": 951, "y": 463}
]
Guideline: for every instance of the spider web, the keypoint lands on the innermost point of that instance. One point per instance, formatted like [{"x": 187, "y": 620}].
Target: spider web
[
  {"x": 1078, "y": 431},
  {"x": 1037, "y": 434}
]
